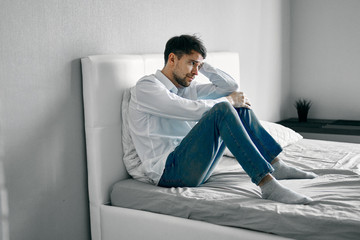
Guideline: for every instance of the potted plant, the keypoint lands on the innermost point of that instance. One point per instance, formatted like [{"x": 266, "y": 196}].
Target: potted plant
[{"x": 302, "y": 107}]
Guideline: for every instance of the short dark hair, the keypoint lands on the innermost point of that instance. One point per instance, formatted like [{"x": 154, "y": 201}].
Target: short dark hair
[{"x": 184, "y": 44}]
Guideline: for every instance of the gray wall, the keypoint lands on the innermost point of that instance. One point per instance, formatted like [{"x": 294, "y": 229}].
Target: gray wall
[
  {"x": 288, "y": 49},
  {"x": 42, "y": 128},
  {"x": 325, "y": 57}
]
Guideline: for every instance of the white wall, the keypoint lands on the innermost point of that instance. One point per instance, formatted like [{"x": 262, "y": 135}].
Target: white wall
[
  {"x": 268, "y": 86},
  {"x": 325, "y": 57},
  {"x": 41, "y": 43}
]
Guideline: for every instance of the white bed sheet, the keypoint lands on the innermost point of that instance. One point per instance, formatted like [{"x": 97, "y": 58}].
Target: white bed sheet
[{"x": 229, "y": 198}]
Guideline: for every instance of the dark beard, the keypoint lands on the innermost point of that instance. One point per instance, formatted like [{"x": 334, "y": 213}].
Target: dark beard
[{"x": 181, "y": 81}]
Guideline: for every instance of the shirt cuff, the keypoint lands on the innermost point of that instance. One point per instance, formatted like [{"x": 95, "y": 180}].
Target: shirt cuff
[{"x": 222, "y": 99}]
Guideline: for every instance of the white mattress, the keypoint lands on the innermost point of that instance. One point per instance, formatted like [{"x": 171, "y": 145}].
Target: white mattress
[{"x": 229, "y": 198}]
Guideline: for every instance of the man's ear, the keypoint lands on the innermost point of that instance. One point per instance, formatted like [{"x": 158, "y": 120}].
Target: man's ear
[{"x": 172, "y": 59}]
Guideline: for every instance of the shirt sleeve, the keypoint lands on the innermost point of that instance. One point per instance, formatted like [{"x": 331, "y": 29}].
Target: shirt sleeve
[
  {"x": 222, "y": 84},
  {"x": 154, "y": 98}
]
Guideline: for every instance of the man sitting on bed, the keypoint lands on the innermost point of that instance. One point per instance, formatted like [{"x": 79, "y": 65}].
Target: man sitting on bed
[{"x": 180, "y": 128}]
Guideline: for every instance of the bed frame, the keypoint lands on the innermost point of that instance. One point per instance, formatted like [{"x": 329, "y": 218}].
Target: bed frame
[{"x": 105, "y": 77}]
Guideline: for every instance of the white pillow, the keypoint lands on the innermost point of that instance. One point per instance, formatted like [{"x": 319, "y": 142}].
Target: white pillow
[{"x": 282, "y": 135}]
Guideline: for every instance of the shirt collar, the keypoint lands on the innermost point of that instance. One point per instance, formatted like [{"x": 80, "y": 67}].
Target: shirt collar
[{"x": 164, "y": 80}]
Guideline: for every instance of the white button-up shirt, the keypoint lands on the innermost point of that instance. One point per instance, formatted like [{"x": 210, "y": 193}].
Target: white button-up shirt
[{"x": 161, "y": 115}]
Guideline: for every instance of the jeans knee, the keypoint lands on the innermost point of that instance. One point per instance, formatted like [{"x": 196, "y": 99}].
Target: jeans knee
[{"x": 224, "y": 108}]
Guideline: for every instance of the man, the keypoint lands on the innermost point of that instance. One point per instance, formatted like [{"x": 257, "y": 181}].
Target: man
[{"x": 180, "y": 128}]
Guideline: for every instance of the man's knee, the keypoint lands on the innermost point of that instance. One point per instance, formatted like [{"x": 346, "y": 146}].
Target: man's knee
[{"x": 224, "y": 107}]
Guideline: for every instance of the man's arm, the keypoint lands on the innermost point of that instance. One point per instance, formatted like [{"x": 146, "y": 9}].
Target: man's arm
[
  {"x": 222, "y": 84},
  {"x": 155, "y": 99}
]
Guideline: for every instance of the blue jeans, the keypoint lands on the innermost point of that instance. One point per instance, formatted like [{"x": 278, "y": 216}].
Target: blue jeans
[{"x": 193, "y": 161}]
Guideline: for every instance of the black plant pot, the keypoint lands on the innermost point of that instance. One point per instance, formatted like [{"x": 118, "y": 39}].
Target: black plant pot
[{"x": 302, "y": 115}]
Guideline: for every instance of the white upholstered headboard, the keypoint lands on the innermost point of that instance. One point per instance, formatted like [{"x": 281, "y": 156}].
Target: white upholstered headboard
[{"x": 105, "y": 77}]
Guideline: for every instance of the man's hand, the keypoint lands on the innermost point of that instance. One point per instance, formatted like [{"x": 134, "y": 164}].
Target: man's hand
[{"x": 238, "y": 99}]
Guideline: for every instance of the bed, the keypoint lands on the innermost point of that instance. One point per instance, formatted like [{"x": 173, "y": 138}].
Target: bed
[{"x": 123, "y": 208}]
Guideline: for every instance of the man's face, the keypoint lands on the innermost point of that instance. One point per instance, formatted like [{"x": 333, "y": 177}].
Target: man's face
[{"x": 186, "y": 68}]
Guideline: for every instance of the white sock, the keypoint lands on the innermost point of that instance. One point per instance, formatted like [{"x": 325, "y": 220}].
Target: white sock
[
  {"x": 273, "y": 190},
  {"x": 284, "y": 171}
]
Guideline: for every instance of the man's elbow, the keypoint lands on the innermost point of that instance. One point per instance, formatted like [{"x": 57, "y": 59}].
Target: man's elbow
[{"x": 234, "y": 86}]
